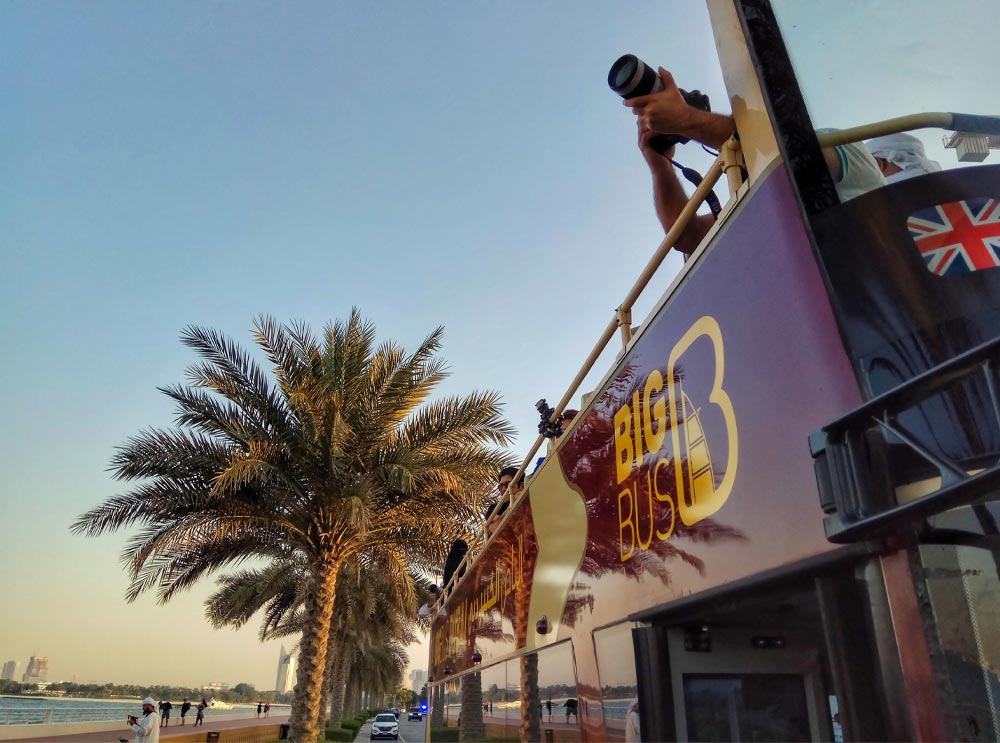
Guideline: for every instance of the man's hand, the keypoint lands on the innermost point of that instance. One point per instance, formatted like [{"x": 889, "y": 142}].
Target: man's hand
[
  {"x": 655, "y": 160},
  {"x": 665, "y": 112}
]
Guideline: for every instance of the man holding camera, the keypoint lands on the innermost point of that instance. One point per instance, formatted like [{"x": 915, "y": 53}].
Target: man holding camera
[
  {"x": 666, "y": 112},
  {"x": 147, "y": 729},
  {"x": 853, "y": 169}
]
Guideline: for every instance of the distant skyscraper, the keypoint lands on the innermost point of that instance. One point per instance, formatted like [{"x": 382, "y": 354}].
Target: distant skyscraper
[
  {"x": 418, "y": 677},
  {"x": 10, "y": 669},
  {"x": 287, "y": 663},
  {"x": 38, "y": 670}
]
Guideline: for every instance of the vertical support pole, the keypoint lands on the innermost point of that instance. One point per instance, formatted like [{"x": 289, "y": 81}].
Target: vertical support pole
[
  {"x": 624, "y": 317},
  {"x": 923, "y": 707},
  {"x": 733, "y": 163}
]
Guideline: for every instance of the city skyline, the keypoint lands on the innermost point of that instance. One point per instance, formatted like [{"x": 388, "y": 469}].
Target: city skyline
[
  {"x": 10, "y": 670},
  {"x": 37, "y": 671},
  {"x": 287, "y": 664},
  {"x": 418, "y": 677}
]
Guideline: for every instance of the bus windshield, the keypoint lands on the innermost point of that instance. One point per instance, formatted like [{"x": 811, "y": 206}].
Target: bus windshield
[{"x": 862, "y": 61}]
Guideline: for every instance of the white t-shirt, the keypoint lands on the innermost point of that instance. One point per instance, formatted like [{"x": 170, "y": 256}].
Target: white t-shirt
[{"x": 861, "y": 173}]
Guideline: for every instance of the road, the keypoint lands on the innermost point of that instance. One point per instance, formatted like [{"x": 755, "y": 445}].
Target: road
[{"x": 410, "y": 731}]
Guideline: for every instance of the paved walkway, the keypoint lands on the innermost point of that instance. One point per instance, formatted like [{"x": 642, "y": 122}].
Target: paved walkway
[{"x": 173, "y": 731}]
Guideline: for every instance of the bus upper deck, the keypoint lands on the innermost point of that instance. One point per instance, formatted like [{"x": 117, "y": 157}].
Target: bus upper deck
[{"x": 775, "y": 518}]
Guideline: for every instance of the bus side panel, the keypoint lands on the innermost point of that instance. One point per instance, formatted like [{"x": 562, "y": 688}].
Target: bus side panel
[
  {"x": 692, "y": 464},
  {"x": 689, "y": 469},
  {"x": 487, "y": 612}
]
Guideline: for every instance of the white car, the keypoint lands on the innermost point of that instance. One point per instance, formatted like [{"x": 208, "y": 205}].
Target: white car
[{"x": 385, "y": 726}]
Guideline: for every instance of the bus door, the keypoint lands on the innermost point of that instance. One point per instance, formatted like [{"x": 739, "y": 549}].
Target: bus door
[{"x": 794, "y": 662}]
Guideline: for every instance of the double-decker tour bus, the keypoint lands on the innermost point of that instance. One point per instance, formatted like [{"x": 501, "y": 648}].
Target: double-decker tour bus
[{"x": 776, "y": 516}]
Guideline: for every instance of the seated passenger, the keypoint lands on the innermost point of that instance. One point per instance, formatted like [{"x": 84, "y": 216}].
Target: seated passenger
[
  {"x": 566, "y": 419},
  {"x": 853, "y": 169},
  {"x": 504, "y": 479},
  {"x": 456, "y": 554},
  {"x": 901, "y": 156}
]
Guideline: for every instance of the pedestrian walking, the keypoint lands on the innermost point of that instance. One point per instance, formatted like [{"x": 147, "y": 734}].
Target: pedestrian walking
[
  {"x": 200, "y": 717},
  {"x": 185, "y": 708},
  {"x": 166, "y": 706},
  {"x": 260, "y": 708}
]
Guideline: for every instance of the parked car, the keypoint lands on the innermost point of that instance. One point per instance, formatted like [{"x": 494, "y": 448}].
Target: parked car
[
  {"x": 415, "y": 714},
  {"x": 385, "y": 726}
]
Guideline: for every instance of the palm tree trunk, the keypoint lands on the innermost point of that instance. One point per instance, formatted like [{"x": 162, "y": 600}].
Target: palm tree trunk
[
  {"x": 352, "y": 693},
  {"x": 472, "y": 707},
  {"x": 307, "y": 702},
  {"x": 352, "y": 705},
  {"x": 531, "y": 703},
  {"x": 338, "y": 683},
  {"x": 437, "y": 707}
]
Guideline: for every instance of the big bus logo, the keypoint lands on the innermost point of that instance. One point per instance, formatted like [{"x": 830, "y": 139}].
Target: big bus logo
[{"x": 643, "y": 462}]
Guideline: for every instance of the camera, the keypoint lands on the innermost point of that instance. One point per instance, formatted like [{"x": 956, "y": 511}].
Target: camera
[
  {"x": 547, "y": 428},
  {"x": 630, "y": 77}
]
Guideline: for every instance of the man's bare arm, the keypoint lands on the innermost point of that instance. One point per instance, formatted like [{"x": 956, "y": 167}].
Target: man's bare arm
[{"x": 669, "y": 197}]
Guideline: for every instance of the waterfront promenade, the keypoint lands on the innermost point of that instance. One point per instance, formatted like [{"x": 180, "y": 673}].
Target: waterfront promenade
[{"x": 240, "y": 730}]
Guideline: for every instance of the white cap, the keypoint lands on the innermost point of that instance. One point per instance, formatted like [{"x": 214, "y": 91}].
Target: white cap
[
  {"x": 150, "y": 701},
  {"x": 905, "y": 151}
]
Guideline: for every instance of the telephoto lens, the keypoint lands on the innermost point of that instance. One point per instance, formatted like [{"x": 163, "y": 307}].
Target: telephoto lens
[{"x": 630, "y": 77}]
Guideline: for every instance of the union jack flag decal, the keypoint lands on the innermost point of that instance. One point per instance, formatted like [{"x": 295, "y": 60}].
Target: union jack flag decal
[{"x": 958, "y": 237}]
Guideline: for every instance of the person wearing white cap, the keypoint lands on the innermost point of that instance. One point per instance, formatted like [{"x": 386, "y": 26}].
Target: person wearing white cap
[
  {"x": 901, "y": 156},
  {"x": 147, "y": 730}
]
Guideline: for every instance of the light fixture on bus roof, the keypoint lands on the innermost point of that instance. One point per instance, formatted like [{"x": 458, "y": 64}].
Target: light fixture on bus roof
[
  {"x": 767, "y": 643},
  {"x": 972, "y": 147},
  {"x": 697, "y": 639},
  {"x": 477, "y": 657},
  {"x": 542, "y": 626}
]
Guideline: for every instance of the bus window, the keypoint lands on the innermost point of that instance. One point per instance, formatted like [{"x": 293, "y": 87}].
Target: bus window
[
  {"x": 721, "y": 707},
  {"x": 547, "y": 706},
  {"x": 495, "y": 701},
  {"x": 452, "y": 704},
  {"x": 513, "y": 696},
  {"x": 863, "y": 62},
  {"x": 619, "y": 692}
]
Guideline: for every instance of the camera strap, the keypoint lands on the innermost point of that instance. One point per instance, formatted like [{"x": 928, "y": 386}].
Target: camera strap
[{"x": 694, "y": 178}]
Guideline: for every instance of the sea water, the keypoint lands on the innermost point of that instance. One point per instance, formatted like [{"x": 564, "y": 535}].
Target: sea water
[{"x": 38, "y": 710}]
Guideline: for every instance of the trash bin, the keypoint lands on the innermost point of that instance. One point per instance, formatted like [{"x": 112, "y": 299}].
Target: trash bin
[
  {"x": 549, "y": 735},
  {"x": 283, "y": 734},
  {"x": 212, "y": 736}
]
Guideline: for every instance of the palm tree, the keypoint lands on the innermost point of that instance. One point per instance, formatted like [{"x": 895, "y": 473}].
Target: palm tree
[
  {"x": 381, "y": 613},
  {"x": 341, "y": 454},
  {"x": 374, "y": 608}
]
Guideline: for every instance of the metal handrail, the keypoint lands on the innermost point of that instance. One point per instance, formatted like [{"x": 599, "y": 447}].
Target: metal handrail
[
  {"x": 924, "y": 120},
  {"x": 621, "y": 319}
]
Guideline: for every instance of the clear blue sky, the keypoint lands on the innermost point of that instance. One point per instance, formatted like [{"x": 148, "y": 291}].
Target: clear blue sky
[{"x": 173, "y": 163}]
